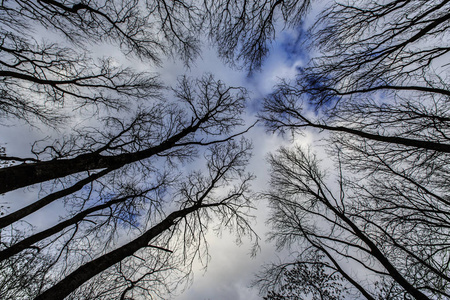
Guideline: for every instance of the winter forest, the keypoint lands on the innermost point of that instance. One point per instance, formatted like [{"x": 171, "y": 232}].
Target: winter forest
[{"x": 225, "y": 149}]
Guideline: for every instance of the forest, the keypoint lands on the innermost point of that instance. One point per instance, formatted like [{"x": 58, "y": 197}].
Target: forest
[{"x": 138, "y": 137}]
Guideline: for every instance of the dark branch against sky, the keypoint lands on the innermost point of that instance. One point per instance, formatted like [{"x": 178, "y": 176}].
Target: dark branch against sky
[{"x": 131, "y": 133}]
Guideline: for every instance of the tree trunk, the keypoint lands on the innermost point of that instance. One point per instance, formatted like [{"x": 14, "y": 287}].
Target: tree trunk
[
  {"x": 389, "y": 139},
  {"x": 28, "y": 174},
  {"x": 35, "y": 206},
  {"x": 72, "y": 281},
  {"x": 29, "y": 241}
]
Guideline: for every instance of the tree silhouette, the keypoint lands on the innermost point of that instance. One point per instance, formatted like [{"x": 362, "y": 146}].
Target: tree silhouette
[
  {"x": 379, "y": 92},
  {"x": 302, "y": 279},
  {"x": 39, "y": 76},
  {"x": 126, "y": 220},
  {"x": 118, "y": 180}
]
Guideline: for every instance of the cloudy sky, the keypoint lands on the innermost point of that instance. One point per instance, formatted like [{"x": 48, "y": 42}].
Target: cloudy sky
[{"x": 231, "y": 268}]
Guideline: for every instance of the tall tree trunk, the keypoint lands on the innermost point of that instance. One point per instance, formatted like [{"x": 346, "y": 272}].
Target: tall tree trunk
[
  {"x": 434, "y": 146},
  {"x": 29, "y": 241},
  {"x": 377, "y": 253},
  {"x": 28, "y": 174},
  {"x": 35, "y": 206},
  {"x": 72, "y": 281}
]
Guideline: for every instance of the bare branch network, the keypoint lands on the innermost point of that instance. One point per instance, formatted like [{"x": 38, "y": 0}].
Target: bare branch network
[
  {"x": 131, "y": 222},
  {"x": 377, "y": 222}
]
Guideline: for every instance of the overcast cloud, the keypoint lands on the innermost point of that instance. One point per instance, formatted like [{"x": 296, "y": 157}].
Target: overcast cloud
[{"x": 231, "y": 267}]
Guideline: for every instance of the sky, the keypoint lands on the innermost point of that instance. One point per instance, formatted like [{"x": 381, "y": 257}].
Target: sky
[{"x": 231, "y": 267}]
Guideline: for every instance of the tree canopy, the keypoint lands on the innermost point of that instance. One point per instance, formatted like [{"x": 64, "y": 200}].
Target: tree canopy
[
  {"x": 379, "y": 90},
  {"x": 138, "y": 168},
  {"x": 129, "y": 219}
]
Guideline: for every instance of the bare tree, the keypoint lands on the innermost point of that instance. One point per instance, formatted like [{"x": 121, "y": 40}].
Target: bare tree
[
  {"x": 214, "y": 110},
  {"x": 188, "y": 222},
  {"x": 125, "y": 179},
  {"x": 116, "y": 175},
  {"x": 380, "y": 93},
  {"x": 243, "y": 30},
  {"x": 39, "y": 76},
  {"x": 338, "y": 224}
]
